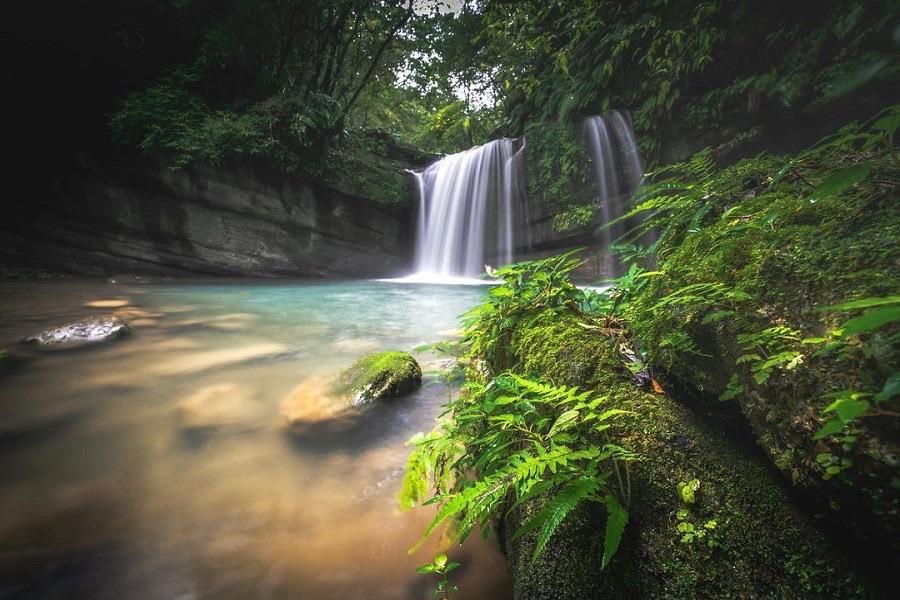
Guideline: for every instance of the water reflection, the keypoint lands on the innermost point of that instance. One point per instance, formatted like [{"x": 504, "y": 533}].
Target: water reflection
[{"x": 202, "y": 456}]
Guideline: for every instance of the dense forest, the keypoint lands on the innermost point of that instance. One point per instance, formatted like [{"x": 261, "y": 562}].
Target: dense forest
[{"x": 689, "y": 388}]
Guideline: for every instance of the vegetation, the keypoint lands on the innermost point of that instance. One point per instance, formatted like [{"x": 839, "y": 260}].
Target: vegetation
[
  {"x": 524, "y": 438},
  {"x": 440, "y": 567},
  {"x": 317, "y": 87},
  {"x": 690, "y": 74},
  {"x": 758, "y": 267},
  {"x": 380, "y": 375},
  {"x": 534, "y": 343}
]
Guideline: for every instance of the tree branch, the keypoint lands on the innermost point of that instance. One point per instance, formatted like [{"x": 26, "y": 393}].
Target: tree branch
[{"x": 377, "y": 58}]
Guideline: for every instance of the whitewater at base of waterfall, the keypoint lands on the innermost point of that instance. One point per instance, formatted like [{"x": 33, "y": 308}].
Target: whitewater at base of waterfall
[{"x": 438, "y": 279}]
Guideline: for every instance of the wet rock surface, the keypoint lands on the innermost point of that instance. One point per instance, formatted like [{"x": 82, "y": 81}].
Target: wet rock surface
[{"x": 89, "y": 330}]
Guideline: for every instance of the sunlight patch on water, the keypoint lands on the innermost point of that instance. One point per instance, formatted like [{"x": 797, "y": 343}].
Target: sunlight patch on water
[{"x": 107, "y": 303}]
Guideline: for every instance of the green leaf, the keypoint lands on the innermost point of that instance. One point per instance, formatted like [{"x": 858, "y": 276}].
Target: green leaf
[
  {"x": 563, "y": 422},
  {"x": 429, "y": 568},
  {"x": 440, "y": 560},
  {"x": 840, "y": 181},
  {"x": 717, "y": 316},
  {"x": 616, "y": 520},
  {"x": 871, "y": 320},
  {"x": 847, "y": 410},
  {"x": 613, "y": 412},
  {"x": 864, "y": 303},
  {"x": 891, "y": 388},
  {"x": 830, "y": 428},
  {"x": 687, "y": 491}
]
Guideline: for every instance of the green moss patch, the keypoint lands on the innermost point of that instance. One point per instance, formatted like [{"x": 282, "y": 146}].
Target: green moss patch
[
  {"x": 755, "y": 542},
  {"x": 380, "y": 376}
]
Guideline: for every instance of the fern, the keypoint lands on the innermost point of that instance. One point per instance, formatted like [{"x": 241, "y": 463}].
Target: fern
[
  {"x": 564, "y": 502},
  {"x": 508, "y": 442},
  {"x": 616, "y": 520}
]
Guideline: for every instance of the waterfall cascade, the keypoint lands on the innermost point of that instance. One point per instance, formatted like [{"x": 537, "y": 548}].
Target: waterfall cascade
[
  {"x": 617, "y": 172},
  {"x": 466, "y": 211}
]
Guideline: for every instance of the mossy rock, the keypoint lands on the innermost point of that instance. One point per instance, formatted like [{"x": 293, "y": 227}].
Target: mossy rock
[
  {"x": 763, "y": 545},
  {"x": 820, "y": 254},
  {"x": 380, "y": 376}
]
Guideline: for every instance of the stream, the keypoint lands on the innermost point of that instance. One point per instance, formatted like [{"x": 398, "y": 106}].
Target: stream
[{"x": 163, "y": 465}]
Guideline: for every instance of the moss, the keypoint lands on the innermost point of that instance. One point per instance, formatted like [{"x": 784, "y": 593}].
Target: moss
[
  {"x": 568, "y": 569},
  {"x": 809, "y": 255},
  {"x": 379, "y": 376},
  {"x": 763, "y": 546}
]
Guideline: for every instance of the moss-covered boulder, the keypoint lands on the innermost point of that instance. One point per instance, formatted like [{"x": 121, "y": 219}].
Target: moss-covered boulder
[
  {"x": 748, "y": 539},
  {"x": 379, "y": 376},
  {"x": 747, "y": 317}
]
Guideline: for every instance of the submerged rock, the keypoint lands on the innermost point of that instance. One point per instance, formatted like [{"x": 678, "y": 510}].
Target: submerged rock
[
  {"x": 220, "y": 405},
  {"x": 92, "y": 329},
  {"x": 379, "y": 376},
  {"x": 312, "y": 401}
]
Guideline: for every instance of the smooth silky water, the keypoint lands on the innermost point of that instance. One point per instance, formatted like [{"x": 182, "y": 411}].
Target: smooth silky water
[{"x": 163, "y": 465}]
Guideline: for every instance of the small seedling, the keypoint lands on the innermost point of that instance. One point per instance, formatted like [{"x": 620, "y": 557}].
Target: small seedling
[{"x": 442, "y": 569}]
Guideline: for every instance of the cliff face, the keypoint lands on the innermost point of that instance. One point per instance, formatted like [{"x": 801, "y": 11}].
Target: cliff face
[{"x": 145, "y": 217}]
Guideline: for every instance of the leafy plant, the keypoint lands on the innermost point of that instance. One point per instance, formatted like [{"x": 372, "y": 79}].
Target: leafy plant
[
  {"x": 687, "y": 525},
  {"x": 848, "y": 405},
  {"x": 512, "y": 441},
  {"x": 528, "y": 287},
  {"x": 440, "y": 567}
]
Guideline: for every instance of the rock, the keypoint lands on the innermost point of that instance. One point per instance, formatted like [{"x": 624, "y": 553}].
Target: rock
[
  {"x": 220, "y": 405},
  {"x": 380, "y": 376},
  {"x": 245, "y": 219},
  {"x": 312, "y": 401},
  {"x": 765, "y": 545},
  {"x": 92, "y": 329}
]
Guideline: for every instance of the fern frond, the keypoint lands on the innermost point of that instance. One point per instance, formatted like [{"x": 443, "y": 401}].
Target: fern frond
[
  {"x": 616, "y": 520},
  {"x": 550, "y": 517}
]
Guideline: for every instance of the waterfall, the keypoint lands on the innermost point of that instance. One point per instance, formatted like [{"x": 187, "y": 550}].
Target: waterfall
[
  {"x": 466, "y": 216},
  {"x": 617, "y": 173}
]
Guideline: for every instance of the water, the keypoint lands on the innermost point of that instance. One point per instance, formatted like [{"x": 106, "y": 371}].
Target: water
[
  {"x": 617, "y": 172},
  {"x": 467, "y": 211},
  {"x": 163, "y": 465}
]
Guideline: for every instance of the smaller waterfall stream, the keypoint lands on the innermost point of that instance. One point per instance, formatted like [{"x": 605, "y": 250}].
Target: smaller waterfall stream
[
  {"x": 466, "y": 211},
  {"x": 617, "y": 172}
]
